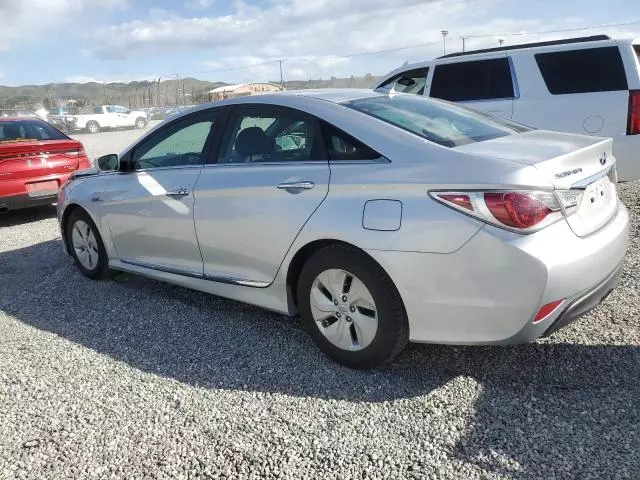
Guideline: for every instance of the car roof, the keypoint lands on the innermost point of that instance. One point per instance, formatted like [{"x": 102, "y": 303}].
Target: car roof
[
  {"x": 18, "y": 119},
  {"x": 554, "y": 45}
]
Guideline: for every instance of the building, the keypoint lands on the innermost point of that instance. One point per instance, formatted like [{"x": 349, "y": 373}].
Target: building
[{"x": 242, "y": 89}]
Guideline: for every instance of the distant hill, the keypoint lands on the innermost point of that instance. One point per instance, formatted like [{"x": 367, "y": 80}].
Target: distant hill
[
  {"x": 93, "y": 93},
  {"x": 143, "y": 93}
]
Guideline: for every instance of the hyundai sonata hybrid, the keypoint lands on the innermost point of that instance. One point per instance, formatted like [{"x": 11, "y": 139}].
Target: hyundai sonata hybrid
[{"x": 379, "y": 218}]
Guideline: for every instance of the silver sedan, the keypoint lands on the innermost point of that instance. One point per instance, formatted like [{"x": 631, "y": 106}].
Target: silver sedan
[{"x": 379, "y": 218}]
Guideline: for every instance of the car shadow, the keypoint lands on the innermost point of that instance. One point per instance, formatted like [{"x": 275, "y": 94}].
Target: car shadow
[
  {"x": 523, "y": 419},
  {"x": 23, "y": 216}
]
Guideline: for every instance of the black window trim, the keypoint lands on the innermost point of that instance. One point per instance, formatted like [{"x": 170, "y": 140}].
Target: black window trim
[{"x": 217, "y": 114}]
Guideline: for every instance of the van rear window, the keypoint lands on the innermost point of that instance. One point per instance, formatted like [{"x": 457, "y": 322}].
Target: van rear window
[{"x": 583, "y": 71}]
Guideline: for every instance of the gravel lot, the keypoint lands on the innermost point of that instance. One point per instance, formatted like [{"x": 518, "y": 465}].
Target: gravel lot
[{"x": 131, "y": 378}]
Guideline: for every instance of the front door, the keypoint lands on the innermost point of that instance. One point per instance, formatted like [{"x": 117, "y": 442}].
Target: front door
[
  {"x": 122, "y": 115},
  {"x": 150, "y": 206},
  {"x": 270, "y": 175}
]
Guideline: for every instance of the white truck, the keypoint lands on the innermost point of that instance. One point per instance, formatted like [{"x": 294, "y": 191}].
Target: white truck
[{"x": 107, "y": 116}]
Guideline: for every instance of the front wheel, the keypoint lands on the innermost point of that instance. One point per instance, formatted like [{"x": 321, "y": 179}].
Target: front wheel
[
  {"x": 140, "y": 122},
  {"x": 351, "y": 308},
  {"x": 85, "y": 244}
]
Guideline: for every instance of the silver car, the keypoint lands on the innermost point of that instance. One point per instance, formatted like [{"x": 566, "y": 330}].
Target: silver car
[{"x": 379, "y": 218}]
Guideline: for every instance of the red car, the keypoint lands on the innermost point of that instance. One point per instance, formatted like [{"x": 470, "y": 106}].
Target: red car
[{"x": 35, "y": 161}]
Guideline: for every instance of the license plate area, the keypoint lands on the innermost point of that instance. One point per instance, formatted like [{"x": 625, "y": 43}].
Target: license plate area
[
  {"x": 599, "y": 203},
  {"x": 43, "y": 189}
]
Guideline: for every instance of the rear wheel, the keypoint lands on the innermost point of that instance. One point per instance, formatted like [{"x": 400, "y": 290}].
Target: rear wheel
[
  {"x": 351, "y": 308},
  {"x": 85, "y": 244},
  {"x": 141, "y": 122},
  {"x": 93, "y": 127}
]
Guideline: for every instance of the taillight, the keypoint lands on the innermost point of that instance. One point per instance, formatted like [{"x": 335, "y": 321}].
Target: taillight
[
  {"x": 633, "y": 127},
  {"x": 521, "y": 211},
  {"x": 516, "y": 209}
]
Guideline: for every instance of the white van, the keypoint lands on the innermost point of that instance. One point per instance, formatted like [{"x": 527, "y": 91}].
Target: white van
[{"x": 588, "y": 85}]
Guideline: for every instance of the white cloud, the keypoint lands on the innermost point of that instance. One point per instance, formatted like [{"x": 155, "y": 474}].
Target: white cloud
[
  {"x": 25, "y": 20},
  {"x": 200, "y": 4}
]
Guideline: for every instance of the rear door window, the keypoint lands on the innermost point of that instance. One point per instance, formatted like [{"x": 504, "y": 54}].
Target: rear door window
[
  {"x": 342, "y": 146},
  {"x": 478, "y": 80},
  {"x": 411, "y": 81},
  {"x": 583, "y": 71}
]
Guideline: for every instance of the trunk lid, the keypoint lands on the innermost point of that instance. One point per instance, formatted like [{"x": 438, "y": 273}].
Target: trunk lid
[
  {"x": 28, "y": 159},
  {"x": 582, "y": 164}
]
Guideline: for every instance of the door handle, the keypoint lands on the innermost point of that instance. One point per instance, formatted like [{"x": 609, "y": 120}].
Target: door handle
[
  {"x": 178, "y": 192},
  {"x": 296, "y": 185}
]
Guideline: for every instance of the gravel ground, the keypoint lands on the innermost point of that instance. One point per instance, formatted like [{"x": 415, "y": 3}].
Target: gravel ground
[{"x": 131, "y": 378}]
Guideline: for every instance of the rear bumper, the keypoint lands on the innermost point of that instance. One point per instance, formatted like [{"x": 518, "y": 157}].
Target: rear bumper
[
  {"x": 16, "y": 202},
  {"x": 14, "y": 193},
  {"x": 489, "y": 291},
  {"x": 586, "y": 302}
]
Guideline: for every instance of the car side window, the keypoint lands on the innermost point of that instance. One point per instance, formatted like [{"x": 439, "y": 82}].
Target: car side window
[
  {"x": 180, "y": 145},
  {"x": 342, "y": 146},
  {"x": 411, "y": 81},
  {"x": 269, "y": 135},
  {"x": 118, "y": 109},
  {"x": 476, "y": 80},
  {"x": 583, "y": 71}
]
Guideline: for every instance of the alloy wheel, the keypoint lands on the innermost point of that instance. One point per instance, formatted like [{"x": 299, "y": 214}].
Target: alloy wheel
[
  {"x": 85, "y": 245},
  {"x": 344, "y": 309}
]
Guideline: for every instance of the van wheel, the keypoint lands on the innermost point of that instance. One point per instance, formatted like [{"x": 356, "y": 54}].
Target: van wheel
[
  {"x": 93, "y": 127},
  {"x": 141, "y": 122},
  {"x": 351, "y": 308}
]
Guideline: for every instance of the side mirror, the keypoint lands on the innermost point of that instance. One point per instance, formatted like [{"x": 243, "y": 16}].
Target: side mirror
[{"x": 108, "y": 163}]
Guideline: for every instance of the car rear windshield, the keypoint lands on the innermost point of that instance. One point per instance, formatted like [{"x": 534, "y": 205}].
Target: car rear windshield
[
  {"x": 440, "y": 122},
  {"x": 28, "y": 131}
]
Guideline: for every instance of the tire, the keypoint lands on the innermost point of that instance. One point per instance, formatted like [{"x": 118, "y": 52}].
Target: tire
[
  {"x": 359, "y": 346},
  {"x": 94, "y": 264},
  {"x": 93, "y": 127},
  {"x": 140, "y": 123}
]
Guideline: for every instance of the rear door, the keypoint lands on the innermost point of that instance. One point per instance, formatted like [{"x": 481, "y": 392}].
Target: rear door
[
  {"x": 487, "y": 84},
  {"x": 269, "y": 176}
]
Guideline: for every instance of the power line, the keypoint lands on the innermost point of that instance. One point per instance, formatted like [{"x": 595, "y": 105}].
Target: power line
[{"x": 563, "y": 30}]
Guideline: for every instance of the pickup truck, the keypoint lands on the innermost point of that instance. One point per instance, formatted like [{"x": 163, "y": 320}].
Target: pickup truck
[{"x": 107, "y": 116}]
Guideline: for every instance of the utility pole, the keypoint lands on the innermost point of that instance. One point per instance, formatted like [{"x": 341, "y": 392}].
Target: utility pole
[
  {"x": 158, "y": 91},
  {"x": 444, "y": 41},
  {"x": 177, "y": 89},
  {"x": 281, "y": 78}
]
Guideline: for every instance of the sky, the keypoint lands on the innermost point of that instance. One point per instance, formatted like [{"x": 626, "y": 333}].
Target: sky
[{"x": 52, "y": 41}]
